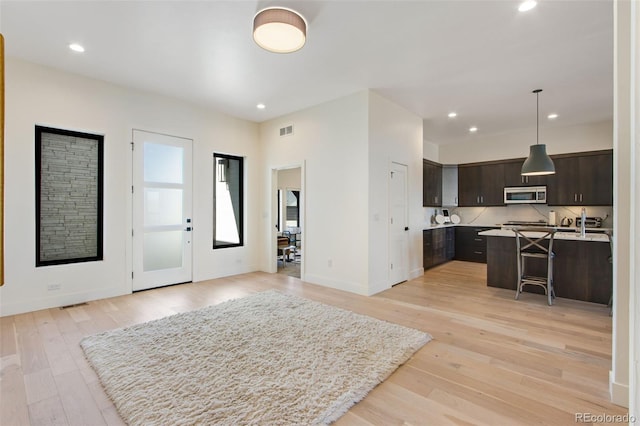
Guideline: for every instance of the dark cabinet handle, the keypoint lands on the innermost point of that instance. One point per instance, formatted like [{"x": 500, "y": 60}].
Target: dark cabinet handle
[{"x": 406, "y": 228}]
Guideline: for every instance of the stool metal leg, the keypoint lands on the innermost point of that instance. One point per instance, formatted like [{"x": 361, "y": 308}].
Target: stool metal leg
[
  {"x": 520, "y": 261},
  {"x": 550, "y": 292}
]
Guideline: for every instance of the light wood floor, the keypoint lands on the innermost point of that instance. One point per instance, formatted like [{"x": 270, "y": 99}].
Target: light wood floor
[{"x": 493, "y": 360}]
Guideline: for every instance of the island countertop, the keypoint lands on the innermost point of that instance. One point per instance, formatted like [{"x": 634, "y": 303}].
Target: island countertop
[{"x": 562, "y": 234}]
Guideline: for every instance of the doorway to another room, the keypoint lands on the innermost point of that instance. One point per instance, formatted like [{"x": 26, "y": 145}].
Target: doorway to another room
[{"x": 289, "y": 224}]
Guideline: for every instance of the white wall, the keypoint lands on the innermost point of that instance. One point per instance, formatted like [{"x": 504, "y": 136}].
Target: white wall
[
  {"x": 40, "y": 95},
  {"x": 625, "y": 187},
  {"x": 634, "y": 299},
  {"x": 289, "y": 178},
  {"x": 331, "y": 141},
  {"x": 430, "y": 151},
  {"x": 395, "y": 134},
  {"x": 559, "y": 140},
  {"x": 346, "y": 146}
]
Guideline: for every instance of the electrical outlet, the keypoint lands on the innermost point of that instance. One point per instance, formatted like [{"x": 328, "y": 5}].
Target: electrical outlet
[{"x": 54, "y": 287}]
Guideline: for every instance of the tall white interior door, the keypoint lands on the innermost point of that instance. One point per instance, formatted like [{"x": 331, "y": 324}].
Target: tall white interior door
[
  {"x": 162, "y": 203},
  {"x": 398, "y": 224}
]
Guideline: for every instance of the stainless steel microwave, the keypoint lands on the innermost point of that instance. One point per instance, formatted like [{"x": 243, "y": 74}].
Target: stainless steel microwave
[{"x": 525, "y": 195}]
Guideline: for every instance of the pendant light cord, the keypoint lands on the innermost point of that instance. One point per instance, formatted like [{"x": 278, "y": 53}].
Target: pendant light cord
[{"x": 537, "y": 92}]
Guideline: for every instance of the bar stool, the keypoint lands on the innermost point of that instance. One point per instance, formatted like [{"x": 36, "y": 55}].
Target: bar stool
[{"x": 530, "y": 246}]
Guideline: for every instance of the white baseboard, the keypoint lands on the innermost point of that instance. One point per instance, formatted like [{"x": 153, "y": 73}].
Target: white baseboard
[
  {"x": 619, "y": 392},
  {"x": 418, "y": 272},
  {"x": 60, "y": 300},
  {"x": 339, "y": 285}
]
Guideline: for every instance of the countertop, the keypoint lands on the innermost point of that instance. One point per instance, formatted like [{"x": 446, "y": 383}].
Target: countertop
[
  {"x": 451, "y": 225},
  {"x": 596, "y": 234}
]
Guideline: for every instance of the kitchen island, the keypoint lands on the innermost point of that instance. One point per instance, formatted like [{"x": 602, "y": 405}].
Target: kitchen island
[{"x": 581, "y": 268}]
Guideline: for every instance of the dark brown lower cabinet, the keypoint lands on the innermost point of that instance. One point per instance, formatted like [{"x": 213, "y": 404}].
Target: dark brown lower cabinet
[
  {"x": 470, "y": 246},
  {"x": 581, "y": 269},
  {"x": 438, "y": 246}
]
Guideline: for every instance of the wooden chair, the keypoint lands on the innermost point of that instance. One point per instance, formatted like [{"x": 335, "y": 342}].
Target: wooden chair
[{"x": 284, "y": 249}]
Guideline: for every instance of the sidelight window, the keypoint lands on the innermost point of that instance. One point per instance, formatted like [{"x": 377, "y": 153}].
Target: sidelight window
[{"x": 228, "y": 200}]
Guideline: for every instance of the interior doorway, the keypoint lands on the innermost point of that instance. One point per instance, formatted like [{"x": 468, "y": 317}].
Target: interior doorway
[{"x": 289, "y": 221}]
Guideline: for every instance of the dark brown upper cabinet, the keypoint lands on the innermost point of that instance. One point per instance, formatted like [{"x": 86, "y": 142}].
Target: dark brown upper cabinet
[
  {"x": 583, "y": 179},
  {"x": 512, "y": 176},
  {"x": 431, "y": 184},
  {"x": 481, "y": 184}
]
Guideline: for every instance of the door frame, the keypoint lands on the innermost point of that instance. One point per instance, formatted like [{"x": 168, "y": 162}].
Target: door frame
[
  {"x": 272, "y": 261},
  {"x": 131, "y": 258}
]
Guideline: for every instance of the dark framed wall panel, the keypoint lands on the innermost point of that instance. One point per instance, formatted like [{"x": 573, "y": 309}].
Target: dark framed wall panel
[{"x": 69, "y": 196}]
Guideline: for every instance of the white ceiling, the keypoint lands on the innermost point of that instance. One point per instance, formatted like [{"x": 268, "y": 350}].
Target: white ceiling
[{"x": 480, "y": 58}]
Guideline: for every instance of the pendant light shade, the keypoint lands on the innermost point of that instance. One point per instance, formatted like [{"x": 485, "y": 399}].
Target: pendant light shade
[
  {"x": 538, "y": 163},
  {"x": 279, "y": 30}
]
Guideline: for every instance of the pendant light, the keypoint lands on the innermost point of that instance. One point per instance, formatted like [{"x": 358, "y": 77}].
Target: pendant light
[
  {"x": 279, "y": 30},
  {"x": 538, "y": 163}
]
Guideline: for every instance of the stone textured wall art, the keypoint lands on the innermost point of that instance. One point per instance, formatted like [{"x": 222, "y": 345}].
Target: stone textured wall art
[{"x": 69, "y": 183}]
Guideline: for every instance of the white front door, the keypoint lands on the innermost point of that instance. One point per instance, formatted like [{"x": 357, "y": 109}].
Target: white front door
[
  {"x": 398, "y": 224},
  {"x": 162, "y": 225}
]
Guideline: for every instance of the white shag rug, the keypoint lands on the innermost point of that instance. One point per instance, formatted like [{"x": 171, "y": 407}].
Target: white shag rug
[{"x": 265, "y": 359}]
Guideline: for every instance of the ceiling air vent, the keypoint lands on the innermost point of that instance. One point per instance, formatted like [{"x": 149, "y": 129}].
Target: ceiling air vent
[{"x": 287, "y": 130}]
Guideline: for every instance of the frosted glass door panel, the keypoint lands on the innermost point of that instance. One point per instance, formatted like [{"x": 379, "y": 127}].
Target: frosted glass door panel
[
  {"x": 163, "y": 194},
  {"x": 162, "y": 250},
  {"x": 163, "y": 163},
  {"x": 162, "y": 206}
]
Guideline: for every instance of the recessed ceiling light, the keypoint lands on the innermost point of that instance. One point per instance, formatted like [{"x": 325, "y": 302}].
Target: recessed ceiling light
[
  {"x": 552, "y": 116},
  {"x": 261, "y": 106},
  {"x": 473, "y": 129},
  {"x": 527, "y": 5},
  {"x": 76, "y": 47},
  {"x": 452, "y": 115}
]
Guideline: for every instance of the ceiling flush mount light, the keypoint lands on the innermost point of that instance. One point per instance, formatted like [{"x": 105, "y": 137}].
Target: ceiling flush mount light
[
  {"x": 76, "y": 47},
  {"x": 452, "y": 115},
  {"x": 473, "y": 129},
  {"x": 527, "y": 5},
  {"x": 552, "y": 116},
  {"x": 279, "y": 30},
  {"x": 538, "y": 163},
  {"x": 261, "y": 106}
]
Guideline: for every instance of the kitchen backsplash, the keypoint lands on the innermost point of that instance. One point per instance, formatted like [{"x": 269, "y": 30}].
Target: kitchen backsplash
[{"x": 525, "y": 212}]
